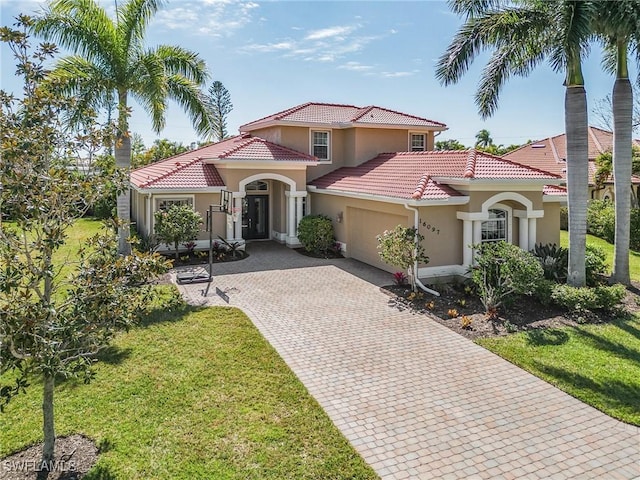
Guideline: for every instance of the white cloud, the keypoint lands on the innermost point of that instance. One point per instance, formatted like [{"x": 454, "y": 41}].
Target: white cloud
[
  {"x": 213, "y": 17},
  {"x": 398, "y": 74},
  {"x": 355, "y": 67},
  {"x": 331, "y": 32},
  {"x": 267, "y": 47}
]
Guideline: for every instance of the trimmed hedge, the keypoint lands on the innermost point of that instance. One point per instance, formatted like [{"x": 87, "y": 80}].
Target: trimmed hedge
[
  {"x": 601, "y": 222},
  {"x": 315, "y": 233}
]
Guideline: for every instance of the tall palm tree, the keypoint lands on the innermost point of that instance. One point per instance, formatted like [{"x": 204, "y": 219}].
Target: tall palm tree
[
  {"x": 522, "y": 34},
  {"x": 618, "y": 27},
  {"x": 483, "y": 138},
  {"x": 112, "y": 63}
]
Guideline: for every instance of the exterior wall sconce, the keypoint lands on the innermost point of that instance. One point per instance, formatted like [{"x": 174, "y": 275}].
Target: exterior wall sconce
[{"x": 339, "y": 217}]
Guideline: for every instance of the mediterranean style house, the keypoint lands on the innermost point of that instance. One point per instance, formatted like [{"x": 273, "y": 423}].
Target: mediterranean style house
[
  {"x": 550, "y": 154},
  {"x": 367, "y": 168}
]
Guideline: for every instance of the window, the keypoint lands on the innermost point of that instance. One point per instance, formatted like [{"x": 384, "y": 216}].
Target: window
[
  {"x": 257, "y": 185},
  {"x": 167, "y": 203},
  {"x": 418, "y": 142},
  {"x": 495, "y": 229},
  {"x": 320, "y": 145}
]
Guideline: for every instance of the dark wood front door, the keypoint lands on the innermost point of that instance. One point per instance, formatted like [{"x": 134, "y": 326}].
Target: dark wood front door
[{"x": 255, "y": 217}]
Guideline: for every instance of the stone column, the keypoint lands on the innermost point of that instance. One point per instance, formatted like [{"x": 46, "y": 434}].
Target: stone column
[
  {"x": 467, "y": 240},
  {"x": 533, "y": 234},
  {"x": 237, "y": 203},
  {"x": 523, "y": 240}
]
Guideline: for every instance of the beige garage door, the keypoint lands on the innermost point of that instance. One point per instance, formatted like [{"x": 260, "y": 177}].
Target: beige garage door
[{"x": 364, "y": 226}]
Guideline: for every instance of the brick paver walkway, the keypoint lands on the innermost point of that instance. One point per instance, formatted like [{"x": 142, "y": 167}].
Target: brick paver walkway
[{"x": 415, "y": 399}]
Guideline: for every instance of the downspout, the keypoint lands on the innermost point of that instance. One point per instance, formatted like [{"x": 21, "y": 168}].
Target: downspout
[
  {"x": 149, "y": 218},
  {"x": 416, "y": 225}
]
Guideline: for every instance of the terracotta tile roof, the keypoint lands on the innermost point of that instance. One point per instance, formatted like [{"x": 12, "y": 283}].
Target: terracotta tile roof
[
  {"x": 419, "y": 175},
  {"x": 554, "y": 190},
  {"x": 550, "y": 153},
  {"x": 331, "y": 114},
  {"x": 191, "y": 169}
]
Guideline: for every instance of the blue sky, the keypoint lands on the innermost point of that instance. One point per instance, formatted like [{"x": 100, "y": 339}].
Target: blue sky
[{"x": 274, "y": 55}]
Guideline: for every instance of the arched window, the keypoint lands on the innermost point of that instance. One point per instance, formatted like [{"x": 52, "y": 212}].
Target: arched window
[
  {"x": 257, "y": 185},
  {"x": 495, "y": 229}
]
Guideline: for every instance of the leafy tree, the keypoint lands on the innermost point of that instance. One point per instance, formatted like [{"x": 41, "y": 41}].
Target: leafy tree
[
  {"x": 450, "y": 144},
  {"x": 402, "y": 247},
  {"x": 111, "y": 63},
  {"x": 219, "y": 103},
  {"x": 161, "y": 149},
  {"x": 57, "y": 314},
  {"x": 137, "y": 150},
  {"x": 176, "y": 225},
  {"x": 521, "y": 35}
]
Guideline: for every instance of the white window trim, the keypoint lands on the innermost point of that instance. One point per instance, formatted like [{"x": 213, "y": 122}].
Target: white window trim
[
  {"x": 311, "y": 144},
  {"x": 158, "y": 198},
  {"x": 410, "y": 146},
  {"x": 508, "y": 220}
]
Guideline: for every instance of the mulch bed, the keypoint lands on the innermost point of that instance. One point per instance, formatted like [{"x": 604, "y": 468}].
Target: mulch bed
[
  {"x": 73, "y": 457},
  {"x": 524, "y": 313}
]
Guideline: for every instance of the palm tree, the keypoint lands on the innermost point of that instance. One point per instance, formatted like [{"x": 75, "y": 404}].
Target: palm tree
[
  {"x": 483, "y": 138},
  {"x": 618, "y": 26},
  {"x": 523, "y": 34},
  {"x": 112, "y": 63}
]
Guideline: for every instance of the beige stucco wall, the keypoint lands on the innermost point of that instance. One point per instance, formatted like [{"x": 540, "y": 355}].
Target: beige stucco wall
[
  {"x": 478, "y": 198},
  {"x": 232, "y": 175},
  {"x": 444, "y": 245},
  {"x": 548, "y": 227},
  {"x": 372, "y": 141}
]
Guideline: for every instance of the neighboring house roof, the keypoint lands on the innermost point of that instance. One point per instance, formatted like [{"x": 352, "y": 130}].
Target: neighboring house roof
[
  {"x": 193, "y": 169},
  {"x": 550, "y": 153},
  {"x": 339, "y": 116},
  {"x": 554, "y": 190},
  {"x": 423, "y": 175}
]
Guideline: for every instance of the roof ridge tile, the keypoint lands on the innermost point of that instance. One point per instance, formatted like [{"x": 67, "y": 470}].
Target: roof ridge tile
[
  {"x": 421, "y": 186},
  {"x": 179, "y": 166}
]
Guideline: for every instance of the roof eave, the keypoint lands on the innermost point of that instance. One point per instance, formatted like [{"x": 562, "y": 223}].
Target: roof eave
[
  {"x": 177, "y": 190},
  {"x": 339, "y": 125},
  {"x": 454, "y": 200}
]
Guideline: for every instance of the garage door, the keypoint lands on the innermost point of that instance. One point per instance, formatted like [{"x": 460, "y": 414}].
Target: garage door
[{"x": 364, "y": 227}]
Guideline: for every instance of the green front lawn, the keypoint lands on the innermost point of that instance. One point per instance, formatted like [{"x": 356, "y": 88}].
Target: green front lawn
[
  {"x": 598, "y": 364},
  {"x": 192, "y": 393},
  {"x": 634, "y": 257}
]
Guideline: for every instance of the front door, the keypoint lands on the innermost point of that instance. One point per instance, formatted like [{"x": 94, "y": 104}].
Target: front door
[{"x": 255, "y": 217}]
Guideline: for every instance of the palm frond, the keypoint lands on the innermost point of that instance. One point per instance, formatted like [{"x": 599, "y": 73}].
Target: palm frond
[
  {"x": 191, "y": 99},
  {"x": 133, "y": 18},
  {"x": 150, "y": 87},
  {"x": 180, "y": 61},
  {"x": 81, "y": 26}
]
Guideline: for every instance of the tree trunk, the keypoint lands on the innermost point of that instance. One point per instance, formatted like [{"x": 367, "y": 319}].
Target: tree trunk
[
  {"x": 622, "y": 138},
  {"x": 123, "y": 161},
  {"x": 47, "y": 415},
  {"x": 575, "y": 108}
]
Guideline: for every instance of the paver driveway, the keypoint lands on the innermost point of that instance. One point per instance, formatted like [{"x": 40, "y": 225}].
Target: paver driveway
[{"x": 415, "y": 399}]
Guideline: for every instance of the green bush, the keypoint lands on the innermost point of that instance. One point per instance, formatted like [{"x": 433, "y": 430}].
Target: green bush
[
  {"x": 178, "y": 224},
  {"x": 554, "y": 261},
  {"x": 601, "y": 219},
  {"x": 402, "y": 247},
  {"x": 543, "y": 291},
  {"x": 502, "y": 270},
  {"x": 595, "y": 265},
  {"x": 605, "y": 298},
  {"x": 315, "y": 233}
]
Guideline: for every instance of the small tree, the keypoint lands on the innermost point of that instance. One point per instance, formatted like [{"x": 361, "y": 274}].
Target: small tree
[
  {"x": 178, "y": 224},
  {"x": 56, "y": 313},
  {"x": 402, "y": 247}
]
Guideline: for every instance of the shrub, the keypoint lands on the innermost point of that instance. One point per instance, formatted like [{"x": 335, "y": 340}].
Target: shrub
[
  {"x": 543, "y": 291},
  {"x": 605, "y": 298},
  {"x": 178, "y": 224},
  {"x": 402, "y": 247},
  {"x": 601, "y": 219},
  {"x": 554, "y": 261},
  {"x": 400, "y": 278},
  {"x": 564, "y": 218},
  {"x": 502, "y": 270},
  {"x": 315, "y": 233},
  {"x": 595, "y": 265}
]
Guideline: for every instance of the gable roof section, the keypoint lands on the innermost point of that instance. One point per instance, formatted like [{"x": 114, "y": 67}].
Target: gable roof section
[
  {"x": 423, "y": 175},
  {"x": 330, "y": 114},
  {"x": 550, "y": 153},
  {"x": 195, "y": 168}
]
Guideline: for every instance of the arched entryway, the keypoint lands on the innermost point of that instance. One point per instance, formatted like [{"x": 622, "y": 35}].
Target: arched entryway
[{"x": 267, "y": 206}]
